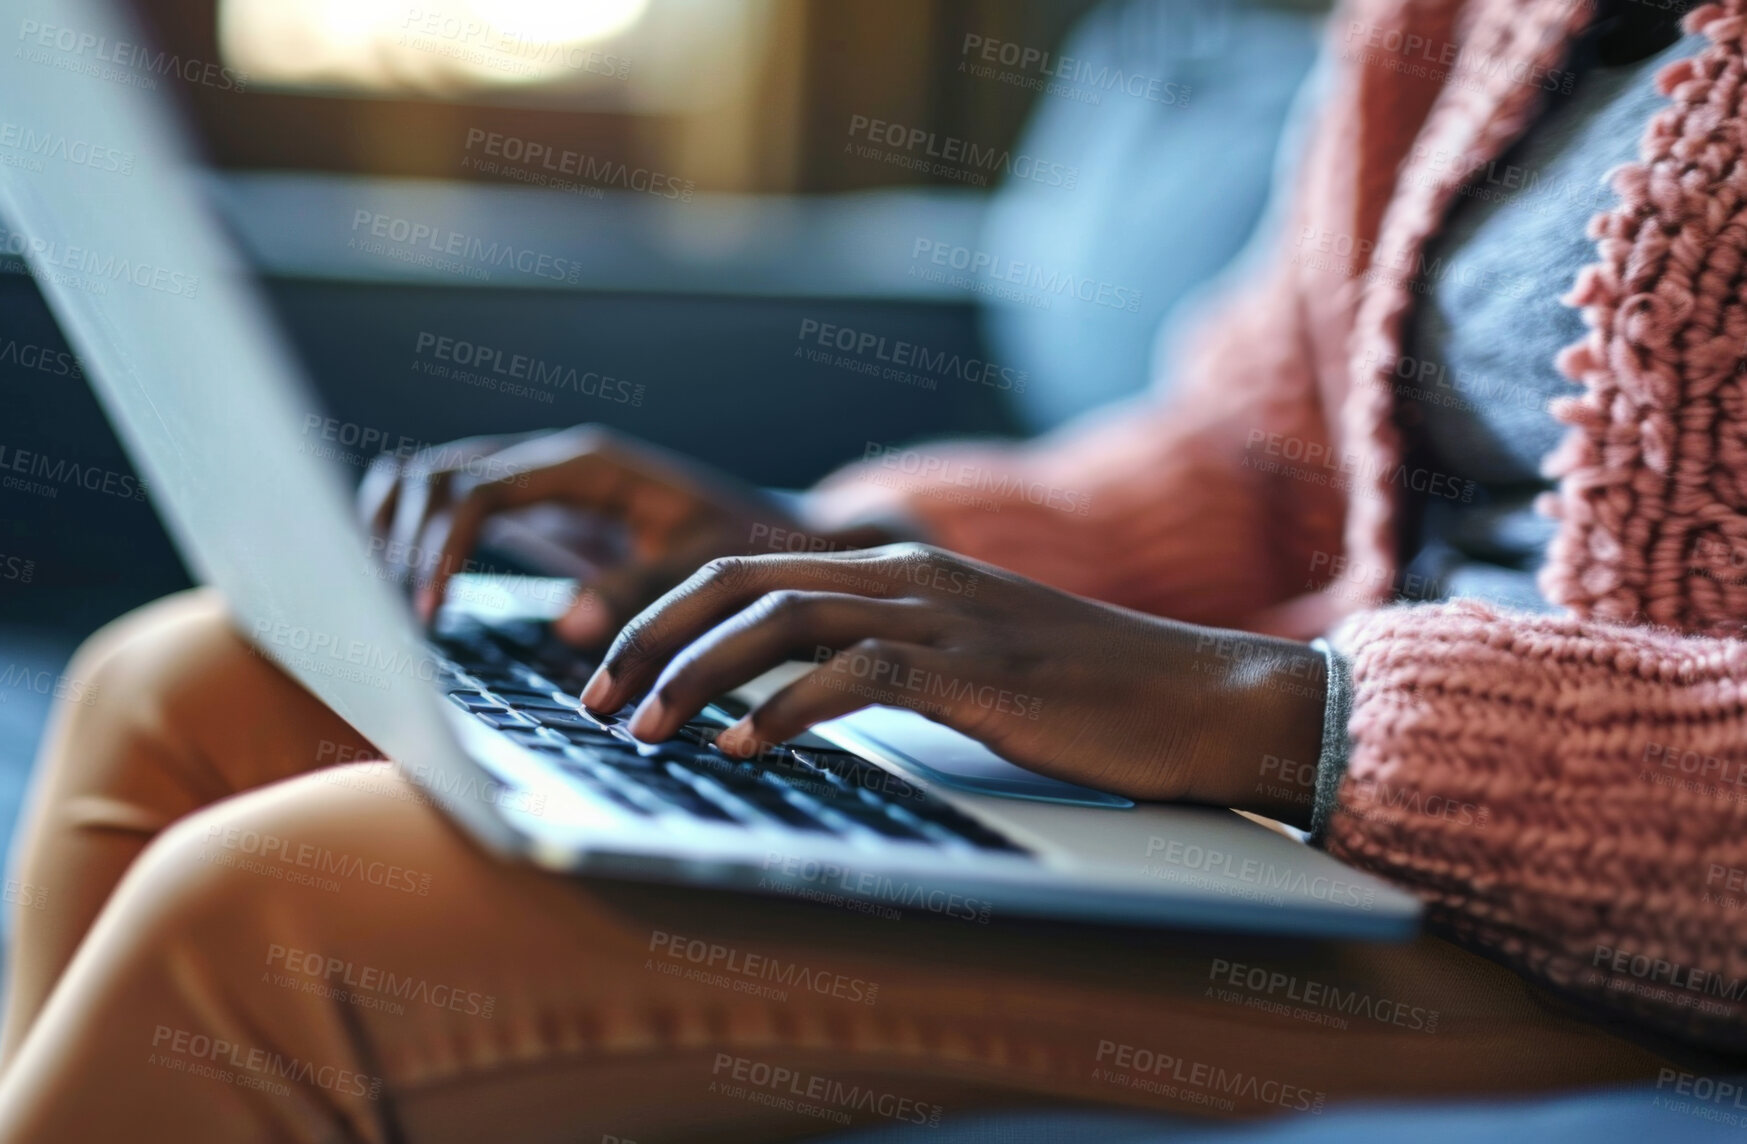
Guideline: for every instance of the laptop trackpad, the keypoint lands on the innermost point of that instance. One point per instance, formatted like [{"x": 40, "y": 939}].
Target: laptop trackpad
[
  {"x": 939, "y": 754},
  {"x": 944, "y": 756}
]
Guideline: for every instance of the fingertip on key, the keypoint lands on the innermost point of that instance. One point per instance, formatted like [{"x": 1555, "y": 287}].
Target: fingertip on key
[
  {"x": 598, "y": 691},
  {"x": 646, "y": 720},
  {"x": 737, "y": 740}
]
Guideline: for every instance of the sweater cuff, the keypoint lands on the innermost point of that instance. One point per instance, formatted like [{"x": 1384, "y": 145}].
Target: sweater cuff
[{"x": 1331, "y": 762}]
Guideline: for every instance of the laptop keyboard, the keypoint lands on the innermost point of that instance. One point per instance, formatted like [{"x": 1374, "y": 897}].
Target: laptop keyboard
[{"x": 520, "y": 679}]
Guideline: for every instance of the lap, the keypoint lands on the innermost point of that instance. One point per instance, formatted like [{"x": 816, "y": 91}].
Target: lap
[
  {"x": 332, "y": 916},
  {"x": 352, "y": 923}
]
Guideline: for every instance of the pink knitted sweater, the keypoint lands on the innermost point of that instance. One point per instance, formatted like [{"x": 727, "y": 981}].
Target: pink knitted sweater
[{"x": 1568, "y": 794}]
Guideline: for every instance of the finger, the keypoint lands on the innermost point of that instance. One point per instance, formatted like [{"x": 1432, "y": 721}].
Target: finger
[
  {"x": 423, "y": 493},
  {"x": 616, "y": 595},
  {"x": 872, "y": 672},
  {"x": 477, "y": 454},
  {"x": 714, "y": 592},
  {"x": 590, "y": 481},
  {"x": 778, "y": 627},
  {"x": 377, "y": 493}
]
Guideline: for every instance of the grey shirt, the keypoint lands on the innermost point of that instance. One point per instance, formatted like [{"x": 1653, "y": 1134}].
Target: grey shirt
[{"x": 1477, "y": 369}]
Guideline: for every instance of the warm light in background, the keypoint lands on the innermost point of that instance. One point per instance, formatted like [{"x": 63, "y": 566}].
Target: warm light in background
[
  {"x": 559, "y": 21},
  {"x": 707, "y": 89},
  {"x": 433, "y": 46}
]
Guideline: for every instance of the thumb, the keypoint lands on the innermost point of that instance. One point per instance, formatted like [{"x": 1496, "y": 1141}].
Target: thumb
[{"x": 608, "y": 603}]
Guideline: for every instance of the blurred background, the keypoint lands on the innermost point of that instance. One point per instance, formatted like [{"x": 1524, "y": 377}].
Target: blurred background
[{"x": 712, "y": 192}]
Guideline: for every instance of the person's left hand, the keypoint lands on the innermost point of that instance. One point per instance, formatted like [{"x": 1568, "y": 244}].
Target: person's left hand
[{"x": 1068, "y": 687}]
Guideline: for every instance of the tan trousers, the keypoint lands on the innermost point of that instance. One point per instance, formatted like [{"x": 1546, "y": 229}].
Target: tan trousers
[{"x": 219, "y": 936}]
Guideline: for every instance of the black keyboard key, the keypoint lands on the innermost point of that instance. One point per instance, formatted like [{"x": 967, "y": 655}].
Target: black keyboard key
[
  {"x": 786, "y": 812},
  {"x": 535, "y": 642},
  {"x": 986, "y": 839},
  {"x": 571, "y": 681},
  {"x": 522, "y": 697},
  {"x": 777, "y": 757},
  {"x": 557, "y": 659},
  {"x": 661, "y": 781},
  {"x": 933, "y": 810},
  {"x": 831, "y": 790},
  {"x": 963, "y": 827},
  {"x": 622, "y": 759},
  {"x": 618, "y": 798},
  {"x": 734, "y": 778},
  {"x": 508, "y": 676},
  {"x": 862, "y": 777},
  {"x": 840, "y": 763},
  {"x": 475, "y": 701},
  {"x": 524, "y": 635},
  {"x": 683, "y": 796},
  {"x": 478, "y": 651},
  {"x": 611, "y": 719},
  {"x": 698, "y": 806},
  {"x": 504, "y": 720},
  {"x": 692, "y": 753},
  {"x": 563, "y": 720},
  {"x": 591, "y": 781},
  {"x": 534, "y": 739},
  {"x": 719, "y": 771},
  {"x": 699, "y": 732},
  {"x": 809, "y": 786},
  {"x": 877, "y": 821},
  {"x": 591, "y": 737},
  {"x": 731, "y": 707}
]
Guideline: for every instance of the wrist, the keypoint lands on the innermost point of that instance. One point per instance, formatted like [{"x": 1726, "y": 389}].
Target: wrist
[{"x": 1270, "y": 706}]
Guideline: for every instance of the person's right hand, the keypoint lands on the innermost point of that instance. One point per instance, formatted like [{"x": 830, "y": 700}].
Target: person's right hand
[{"x": 675, "y": 514}]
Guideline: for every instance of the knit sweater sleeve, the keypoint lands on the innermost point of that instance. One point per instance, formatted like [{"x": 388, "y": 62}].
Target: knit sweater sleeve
[{"x": 1568, "y": 796}]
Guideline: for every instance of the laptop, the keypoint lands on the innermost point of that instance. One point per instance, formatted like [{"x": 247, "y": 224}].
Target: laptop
[{"x": 881, "y": 812}]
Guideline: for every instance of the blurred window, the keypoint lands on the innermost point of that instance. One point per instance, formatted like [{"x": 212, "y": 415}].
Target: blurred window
[{"x": 651, "y": 56}]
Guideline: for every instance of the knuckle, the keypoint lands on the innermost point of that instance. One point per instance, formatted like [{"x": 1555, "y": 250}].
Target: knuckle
[
  {"x": 724, "y": 572},
  {"x": 787, "y": 606},
  {"x": 912, "y": 550},
  {"x": 591, "y": 439},
  {"x": 914, "y": 554},
  {"x": 631, "y": 647},
  {"x": 879, "y": 649}
]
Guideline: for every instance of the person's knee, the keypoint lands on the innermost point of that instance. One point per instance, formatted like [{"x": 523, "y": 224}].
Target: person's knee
[
  {"x": 302, "y": 856},
  {"x": 153, "y": 657},
  {"x": 177, "y": 709}
]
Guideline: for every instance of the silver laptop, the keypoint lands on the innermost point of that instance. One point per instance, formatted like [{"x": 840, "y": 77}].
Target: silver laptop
[{"x": 880, "y": 812}]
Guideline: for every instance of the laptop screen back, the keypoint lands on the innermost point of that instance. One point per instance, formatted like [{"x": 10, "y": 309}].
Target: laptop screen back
[{"x": 173, "y": 331}]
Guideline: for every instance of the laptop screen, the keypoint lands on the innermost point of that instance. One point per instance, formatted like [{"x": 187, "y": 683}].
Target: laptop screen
[{"x": 176, "y": 337}]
